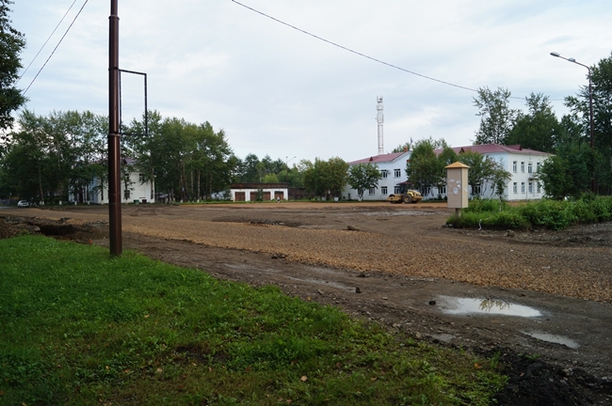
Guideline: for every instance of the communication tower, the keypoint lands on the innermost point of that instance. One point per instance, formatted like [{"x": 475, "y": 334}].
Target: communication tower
[{"x": 380, "y": 118}]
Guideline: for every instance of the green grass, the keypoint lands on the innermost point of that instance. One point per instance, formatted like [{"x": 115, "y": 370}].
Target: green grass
[
  {"x": 549, "y": 214},
  {"x": 78, "y": 327}
]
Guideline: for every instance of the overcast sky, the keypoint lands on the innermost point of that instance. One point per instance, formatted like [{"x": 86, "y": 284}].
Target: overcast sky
[{"x": 278, "y": 91}]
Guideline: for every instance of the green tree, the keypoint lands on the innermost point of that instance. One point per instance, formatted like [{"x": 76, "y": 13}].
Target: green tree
[
  {"x": 54, "y": 155},
  {"x": 601, "y": 78},
  {"x": 569, "y": 172},
  {"x": 496, "y": 116},
  {"x": 539, "y": 128},
  {"x": 363, "y": 177},
  {"x": 12, "y": 43},
  {"x": 187, "y": 161},
  {"x": 425, "y": 168},
  {"x": 403, "y": 147},
  {"x": 325, "y": 178},
  {"x": 481, "y": 168}
]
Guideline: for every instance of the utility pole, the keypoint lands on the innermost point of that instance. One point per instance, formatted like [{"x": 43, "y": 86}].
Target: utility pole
[{"x": 114, "y": 136}]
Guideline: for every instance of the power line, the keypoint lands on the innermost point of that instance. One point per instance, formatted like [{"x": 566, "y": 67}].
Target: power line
[
  {"x": 353, "y": 51},
  {"x": 45, "y": 44},
  {"x": 57, "y": 46},
  {"x": 361, "y": 53}
]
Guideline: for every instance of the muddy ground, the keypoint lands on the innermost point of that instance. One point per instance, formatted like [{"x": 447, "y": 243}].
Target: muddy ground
[{"x": 399, "y": 265}]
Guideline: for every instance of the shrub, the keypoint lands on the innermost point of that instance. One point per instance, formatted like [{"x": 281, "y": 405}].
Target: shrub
[{"x": 486, "y": 205}]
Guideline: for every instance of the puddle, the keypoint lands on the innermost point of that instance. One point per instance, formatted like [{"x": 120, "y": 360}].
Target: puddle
[
  {"x": 551, "y": 338},
  {"x": 458, "y": 305}
]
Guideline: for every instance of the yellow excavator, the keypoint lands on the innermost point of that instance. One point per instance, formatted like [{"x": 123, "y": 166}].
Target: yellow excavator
[{"x": 406, "y": 195}]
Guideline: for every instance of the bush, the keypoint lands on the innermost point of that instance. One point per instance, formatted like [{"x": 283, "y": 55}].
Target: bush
[
  {"x": 509, "y": 219},
  {"x": 486, "y": 205}
]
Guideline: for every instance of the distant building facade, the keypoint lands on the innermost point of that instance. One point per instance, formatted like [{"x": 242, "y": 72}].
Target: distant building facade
[
  {"x": 134, "y": 188},
  {"x": 392, "y": 168},
  {"x": 522, "y": 164}
]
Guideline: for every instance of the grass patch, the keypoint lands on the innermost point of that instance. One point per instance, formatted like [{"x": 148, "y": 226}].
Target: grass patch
[
  {"x": 549, "y": 214},
  {"x": 81, "y": 328}
]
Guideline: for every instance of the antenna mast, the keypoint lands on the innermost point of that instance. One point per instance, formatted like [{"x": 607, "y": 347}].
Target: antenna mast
[{"x": 380, "y": 118}]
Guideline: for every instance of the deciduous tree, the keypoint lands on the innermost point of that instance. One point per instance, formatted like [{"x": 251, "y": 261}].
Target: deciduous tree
[
  {"x": 12, "y": 43},
  {"x": 363, "y": 177}
]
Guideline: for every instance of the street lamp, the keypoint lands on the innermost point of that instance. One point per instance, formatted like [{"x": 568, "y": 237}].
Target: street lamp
[
  {"x": 287, "y": 160},
  {"x": 572, "y": 60}
]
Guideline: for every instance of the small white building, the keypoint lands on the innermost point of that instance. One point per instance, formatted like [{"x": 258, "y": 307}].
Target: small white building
[
  {"x": 248, "y": 192},
  {"x": 521, "y": 163},
  {"x": 393, "y": 170}
]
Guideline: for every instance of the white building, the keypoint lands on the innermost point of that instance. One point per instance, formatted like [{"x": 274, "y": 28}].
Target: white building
[
  {"x": 133, "y": 188},
  {"x": 393, "y": 170},
  {"x": 521, "y": 163},
  {"x": 248, "y": 192}
]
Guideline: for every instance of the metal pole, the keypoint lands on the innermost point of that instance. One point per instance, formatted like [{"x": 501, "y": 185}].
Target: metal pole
[
  {"x": 114, "y": 137},
  {"x": 591, "y": 119},
  {"x": 593, "y": 180}
]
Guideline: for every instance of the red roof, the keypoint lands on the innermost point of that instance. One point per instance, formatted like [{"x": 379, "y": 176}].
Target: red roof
[
  {"x": 376, "y": 159},
  {"x": 493, "y": 148}
]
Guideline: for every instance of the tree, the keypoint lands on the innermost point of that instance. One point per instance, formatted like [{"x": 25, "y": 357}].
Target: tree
[
  {"x": 539, "y": 128},
  {"x": 326, "y": 178},
  {"x": 403, "y": 147},
  {"x": 425, "y": 168},
  {"x": 601, "y": 78},
  {"x": 569, "y": 172},
  {"x": 363, "y": 177},
  {"x": 496, "y": 116},
  {"x": 12, "y": 43},
  {"x": 54, "y": 155}
]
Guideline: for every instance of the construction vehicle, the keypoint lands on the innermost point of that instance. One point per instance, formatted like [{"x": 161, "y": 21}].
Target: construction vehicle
[{"x": 406, "y": 195}]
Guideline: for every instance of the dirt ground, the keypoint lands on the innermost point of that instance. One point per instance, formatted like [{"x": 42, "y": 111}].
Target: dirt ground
[{"x": 401, "y": 266}]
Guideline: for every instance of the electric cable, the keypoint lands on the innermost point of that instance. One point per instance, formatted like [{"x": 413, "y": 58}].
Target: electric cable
[
  {"x": 57, "y": 46},
  {"x": 359, "y": 53},
  {"x": 45, "y": 44}
]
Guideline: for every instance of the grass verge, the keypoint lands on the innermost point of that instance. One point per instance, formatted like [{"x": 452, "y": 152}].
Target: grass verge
[
  {"x": 81, "y": 328},
  {"x": 549, "y": 214}
]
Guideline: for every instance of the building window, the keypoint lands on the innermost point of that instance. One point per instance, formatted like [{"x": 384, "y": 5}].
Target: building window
[
  {"x": 443, "y": 190},
  {"x": 531, "y": 187},
  {"x": 514, "y": 188},
  {"x": 514, "y": 166},
  {"x": 477, "y": 190},
  {"x": 539, "y": 187},
  {"x": 522, "y": 187},
  {"x": 529, "y": 168},
  {"x": 372, "y": 191},
  {"x": 383, "y": 190},
  {"x": 537, "y": 167},
  {"x": 141, "y": 178},
  {"x": 426, "y": 191},
  {"x": 396, "y": 189},
  {"x": 384, "y": 173},
  {"x": 397, "y": 173},
  {"x": 522, "y": 167}
]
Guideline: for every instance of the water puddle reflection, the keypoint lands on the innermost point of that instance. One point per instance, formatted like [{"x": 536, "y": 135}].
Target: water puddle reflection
[
  {"x": 551, "y": 338},
  {"x": 461, "y": 305}
]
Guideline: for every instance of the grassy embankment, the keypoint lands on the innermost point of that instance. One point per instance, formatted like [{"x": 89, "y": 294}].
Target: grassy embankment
[
  {"x": 550, "y": 214},
  {"x": 78, "y": 327}
]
